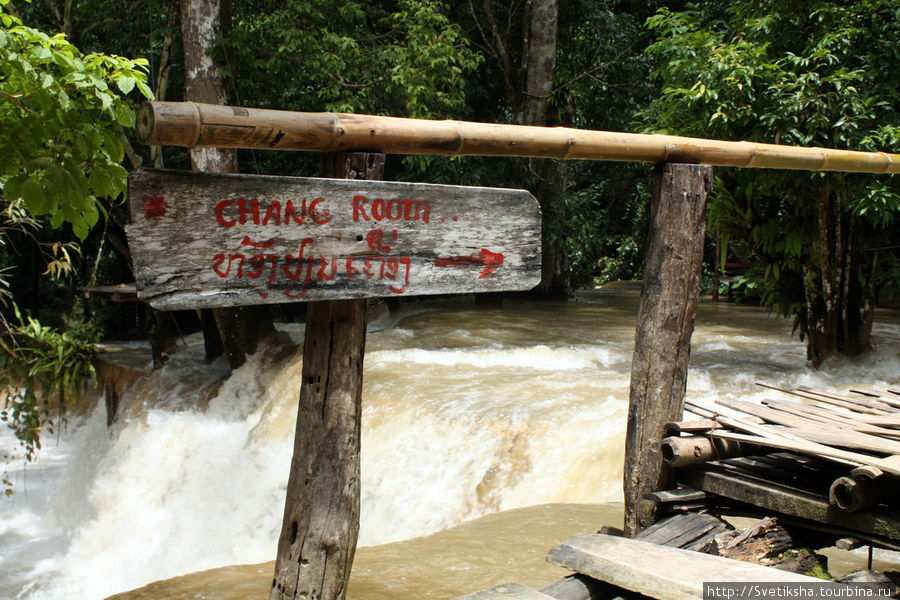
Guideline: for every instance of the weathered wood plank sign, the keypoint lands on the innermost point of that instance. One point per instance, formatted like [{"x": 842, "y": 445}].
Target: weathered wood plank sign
[{"x": 203, "y": 240}]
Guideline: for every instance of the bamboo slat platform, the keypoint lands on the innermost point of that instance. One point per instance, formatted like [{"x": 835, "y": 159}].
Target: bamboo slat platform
[{"x": 830, "y": 461}]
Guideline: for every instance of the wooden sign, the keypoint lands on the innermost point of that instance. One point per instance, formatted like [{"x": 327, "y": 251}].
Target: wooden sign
[{"x": 202, "y": 240}]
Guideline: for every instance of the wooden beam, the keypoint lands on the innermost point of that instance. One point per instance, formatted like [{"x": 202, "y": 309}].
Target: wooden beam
[
  {"x": 194, "y": 124},
  {"x": 321, "y": 513},
  {"x": 669, "y": 298},
  {"x": 882, "y": 526},
  {"x": 658, "y": 571}
]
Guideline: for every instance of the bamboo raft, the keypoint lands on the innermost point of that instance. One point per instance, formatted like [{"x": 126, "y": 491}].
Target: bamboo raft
[{"x": 831, "y": 461}]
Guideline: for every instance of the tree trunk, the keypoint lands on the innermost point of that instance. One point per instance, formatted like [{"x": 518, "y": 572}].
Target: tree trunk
[
  {"x": 321, "y": 513},
  {"x": 540, "y": 61},
  {"x": 532, "y": 107},
  {"x": 662, "y": 344},
  {"x": 161, "y": 87},
  {"x": 201, "y": 23},
  {"x": 839, "y": 307},
  {"x": 554, "y": 260}
]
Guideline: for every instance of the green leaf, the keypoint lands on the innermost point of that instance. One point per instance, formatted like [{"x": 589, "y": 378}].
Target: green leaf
[
  {"x": 36, "y": 197},
  {"x": 125, "y": 84},
  {"x": 124, "y": 115},
  {"x": 101, "y": 182},
  {"x": 144, "y": 89},
  {"x": 13, "y": 188},
  {"x": 105, "y": 100}
]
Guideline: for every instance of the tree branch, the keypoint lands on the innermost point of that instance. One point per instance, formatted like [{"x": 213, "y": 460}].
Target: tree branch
[
  {"x": 17, "y": 101},
  {"x": 506, "y": 66},
  {"x": 12, "y": 10}
]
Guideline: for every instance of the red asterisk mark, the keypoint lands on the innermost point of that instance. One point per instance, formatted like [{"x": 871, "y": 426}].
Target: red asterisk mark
[{"x": 154, "y": 207}]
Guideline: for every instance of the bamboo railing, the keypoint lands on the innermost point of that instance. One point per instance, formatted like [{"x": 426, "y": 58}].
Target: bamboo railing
[{"x": 194, "y": 124}]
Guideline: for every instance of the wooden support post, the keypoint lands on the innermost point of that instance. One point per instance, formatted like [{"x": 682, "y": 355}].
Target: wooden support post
[
  {"x": 321, "y": 513},
  {"x": 669, "y": 297}
]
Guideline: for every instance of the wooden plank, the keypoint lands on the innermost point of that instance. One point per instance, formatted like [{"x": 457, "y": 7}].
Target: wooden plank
[
  {"x": 673, "y": 508},
  {"x": 888, "y": 464},
  {"x": 843, "y": 438},
  {"x": 772, "y": 496},
  {"x": 766, "y": 436},
  {"x": 876, "y": 404},
  {"x": 854, "y": 406},
  {"x": 815, "y": 430},
  {"x": 890, "y": 395},
  {"x": 679, "y": 529},
  {"x": 665, "y": 531},
  {"x": 680, "y": 495},
  {"x": 206, "y": 240},
  {"x": 581, "y": 587},
  {"x": 711, "y": 410},
  {"x": 658, "y": 571},
  {"x": 320, "y": 526},
  {"x": 669, "y": 297},
  {"x": 789, "y": 468},
  {"x": 829, "y": 416},
  {"x": 508, "y": 591},
  {"x": 886, "y": 396},
  {"x": 690, "y": 426}
]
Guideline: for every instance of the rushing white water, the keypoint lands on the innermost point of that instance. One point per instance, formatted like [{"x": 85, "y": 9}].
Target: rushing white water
[{"x": 467, "y": 411}]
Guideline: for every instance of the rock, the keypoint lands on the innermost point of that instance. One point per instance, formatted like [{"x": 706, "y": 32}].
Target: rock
[
  {"x": 766, "y": 542},
  {"x": 891, "y": 580}
]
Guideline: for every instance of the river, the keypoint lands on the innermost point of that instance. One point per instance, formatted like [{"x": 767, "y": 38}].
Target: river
[{"x": 489, "y": 434}]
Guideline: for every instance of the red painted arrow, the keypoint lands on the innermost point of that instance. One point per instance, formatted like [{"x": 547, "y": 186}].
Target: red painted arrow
[{"x": 487, "y": 259}]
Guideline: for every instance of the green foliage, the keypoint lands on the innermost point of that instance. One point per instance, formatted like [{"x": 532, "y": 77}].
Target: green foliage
[
  {"x": 60, "y": 119},
  {"x": 41, "y": 373},
  {"x": 403, "y": 58},
  {"x": 606, "y": 226},
  {"x": 814, "y": 74}
]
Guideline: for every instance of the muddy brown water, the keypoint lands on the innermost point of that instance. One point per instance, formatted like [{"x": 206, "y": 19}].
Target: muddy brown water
[{"x": 489, "y": 435}]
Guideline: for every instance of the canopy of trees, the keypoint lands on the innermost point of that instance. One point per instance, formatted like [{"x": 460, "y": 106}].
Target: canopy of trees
[
  {"x": 811, "y": 74},
  {"x": 822, "y": 247}
]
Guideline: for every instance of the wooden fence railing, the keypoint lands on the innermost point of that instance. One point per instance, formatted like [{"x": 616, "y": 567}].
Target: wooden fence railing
[{"x": 193, "y": 124}]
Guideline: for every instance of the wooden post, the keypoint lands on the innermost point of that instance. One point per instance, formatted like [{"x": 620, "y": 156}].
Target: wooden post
[
  {"x": 321, "y": 513},
  {"x": 669, "y": 297}
]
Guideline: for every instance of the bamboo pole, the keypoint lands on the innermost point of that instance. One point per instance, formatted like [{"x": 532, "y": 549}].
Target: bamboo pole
[
  {"x": 691, "y": 450},
  {"x": 194, "y": 124}
]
